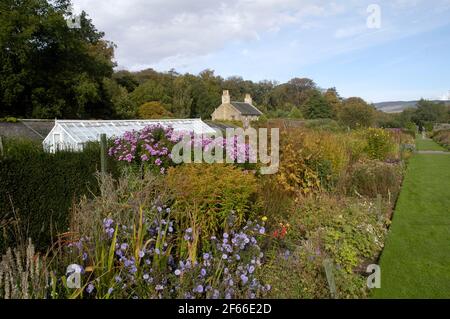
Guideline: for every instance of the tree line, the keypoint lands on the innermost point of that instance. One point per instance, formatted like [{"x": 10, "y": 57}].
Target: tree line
[{"x": 48, "y": 70}]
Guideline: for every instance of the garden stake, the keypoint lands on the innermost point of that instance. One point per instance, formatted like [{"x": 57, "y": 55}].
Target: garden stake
[
  {"x": 1, "y": 147},
  {"x": 328, "y": 265},
  {"x": 103, "y": 153},
  {"x": 379, "y": 206}
]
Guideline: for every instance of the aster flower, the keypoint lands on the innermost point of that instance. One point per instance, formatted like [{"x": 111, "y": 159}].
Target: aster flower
[{"x": 90, "y": 288}]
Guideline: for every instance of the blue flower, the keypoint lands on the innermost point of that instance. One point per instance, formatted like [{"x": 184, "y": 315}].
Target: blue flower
[
  {"x": 203, "y": 272},
  {"x": 124, "y": 246},
  {"x": 251, "y": 269},
  {"x": 110, "y": 290},
  {"x": 224, "y": 256},
  {"x": 244, "y": 279}
]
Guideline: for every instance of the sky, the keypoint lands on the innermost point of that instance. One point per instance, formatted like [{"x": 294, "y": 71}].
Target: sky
[{"x": 378, "y": 50}]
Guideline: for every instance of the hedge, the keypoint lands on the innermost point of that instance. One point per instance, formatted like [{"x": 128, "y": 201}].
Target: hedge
[{"x": 37, "y": 189}]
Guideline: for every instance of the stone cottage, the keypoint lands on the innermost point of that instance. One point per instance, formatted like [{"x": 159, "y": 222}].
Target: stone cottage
[{"x": 236, "y": 111}]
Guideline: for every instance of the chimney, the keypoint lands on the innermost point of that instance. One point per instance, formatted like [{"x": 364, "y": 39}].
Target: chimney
[
  {"x": 248, "y": 99},
  {"x": 226, "y": 97}
]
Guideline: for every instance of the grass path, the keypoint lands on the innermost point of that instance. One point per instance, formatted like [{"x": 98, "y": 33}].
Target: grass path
[
  {"x": 428, "y": 145},
  {"x": 416, "y": 260}
]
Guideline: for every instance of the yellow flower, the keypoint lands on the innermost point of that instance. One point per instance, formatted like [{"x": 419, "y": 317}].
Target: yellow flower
[{"x": 264, "y": 219}]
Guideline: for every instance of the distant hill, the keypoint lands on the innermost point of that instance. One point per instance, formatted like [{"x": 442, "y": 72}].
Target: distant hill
[{"x": 398, "y": 106}]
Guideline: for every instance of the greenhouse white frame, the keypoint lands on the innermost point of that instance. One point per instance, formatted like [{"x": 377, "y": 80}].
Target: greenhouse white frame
[{"x": 74, "y": 134}]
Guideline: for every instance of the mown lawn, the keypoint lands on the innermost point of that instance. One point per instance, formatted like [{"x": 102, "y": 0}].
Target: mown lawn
[
  {"x": 416, "y": 259},
  {"x": 427, "y": 145}
]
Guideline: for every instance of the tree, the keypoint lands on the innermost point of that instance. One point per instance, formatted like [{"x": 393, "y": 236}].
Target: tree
[
  {"x": 153, "y": 110},
  {"x": 429, "y": 112},
  {"x": 295, "y": 113},
  {"x": 48, "y": 69},
  {"x": 334, "y": 100},
  {"x": 123, "y": 107},
  {"x": 356, "y": 113},
  {"x": 317, "y": 107}
]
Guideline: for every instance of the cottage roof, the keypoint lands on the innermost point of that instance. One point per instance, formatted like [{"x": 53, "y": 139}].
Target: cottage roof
[{"x": 246, "y": 108}]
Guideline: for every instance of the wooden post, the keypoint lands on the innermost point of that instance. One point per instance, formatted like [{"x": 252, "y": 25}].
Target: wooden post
[
  {"x": 379, "y": 206},
  {"x": 1, "y": 147},
  {"x": 103, "y": 160},
  {"x": 328, "y": 265}
]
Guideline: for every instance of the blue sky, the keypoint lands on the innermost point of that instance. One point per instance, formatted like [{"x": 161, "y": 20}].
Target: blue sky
[{"x": 404, "y": 56}]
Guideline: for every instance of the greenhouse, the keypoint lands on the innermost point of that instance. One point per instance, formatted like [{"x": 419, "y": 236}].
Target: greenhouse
[{"x": 74, "y": 134}]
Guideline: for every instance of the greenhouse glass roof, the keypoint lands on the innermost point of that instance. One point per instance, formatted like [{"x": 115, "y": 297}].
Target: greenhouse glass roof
[{"x": 83, "y": 131}]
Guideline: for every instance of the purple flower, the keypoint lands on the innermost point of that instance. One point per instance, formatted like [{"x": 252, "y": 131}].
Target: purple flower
[
  {"x": 251, "y": 269},
  {"x": 124, "y": 246},
  {"x": 90, "y": 288},
  {"x": 244, "y": 279},
  {"x": 177, "y": 272},
  {"x": 203, "y": 272},
  {"x": 141, "y": 253},
  {"x": 206, "y": 256},
  {"x": 110, "y": 290},
  {"x": 133, "y": 270},
  {"x": 199, "y": 289},
  {"x": 107, "y": 222},
  {"x": 224, "y": 256}
]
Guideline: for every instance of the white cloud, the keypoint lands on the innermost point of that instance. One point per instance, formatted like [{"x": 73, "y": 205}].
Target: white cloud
[
  {"x": 149, "y": 32},
  {"x": 445, "y": 96}
]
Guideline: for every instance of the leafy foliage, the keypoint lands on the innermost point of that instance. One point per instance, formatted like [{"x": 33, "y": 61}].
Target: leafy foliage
[
  {"x": 38, "y": 189},
  {"x": 153, "y": 110},
  {"x": 379, "y": 143},
  {"x": 355, "y": 113},
  {"x": 49, "y": 70},
  {"x": 204, "y": 195}
]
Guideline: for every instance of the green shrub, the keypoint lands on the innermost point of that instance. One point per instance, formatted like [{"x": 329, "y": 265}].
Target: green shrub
[
  {"x": 349, "y": 232},
  {"x": 443, "y": 138},
  {"x": 379, "y": 143},
  {"x": 9, "y": 119},
  {"x": 324, "y": 124},
  {"x": 38, "y": 188},
  {"x": 372, "y": 178},
  {"x": 211, "y": 198}
]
